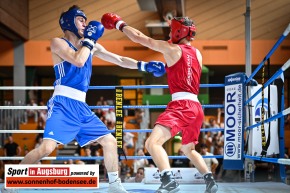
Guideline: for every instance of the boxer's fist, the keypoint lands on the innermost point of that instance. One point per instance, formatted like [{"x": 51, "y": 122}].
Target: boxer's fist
[
  {"x": 111, "y": 21},
  {"x": 157, "y": 68},
  {"x": 92, "y": 33}
]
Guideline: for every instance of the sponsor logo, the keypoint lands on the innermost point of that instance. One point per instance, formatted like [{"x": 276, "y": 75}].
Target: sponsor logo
[
  {"x": 235, "y": 79},
  {"x": 230, "y": 149}
]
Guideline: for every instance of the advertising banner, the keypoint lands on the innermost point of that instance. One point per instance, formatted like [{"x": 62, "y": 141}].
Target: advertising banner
[{"x": 51, "y": 176}]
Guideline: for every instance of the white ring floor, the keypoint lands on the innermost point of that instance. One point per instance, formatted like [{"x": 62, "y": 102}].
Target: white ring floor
[{"x": 242, "y": 187}]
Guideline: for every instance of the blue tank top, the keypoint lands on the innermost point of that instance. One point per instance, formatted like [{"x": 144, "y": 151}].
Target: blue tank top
[{"x": 67, "y": 74}]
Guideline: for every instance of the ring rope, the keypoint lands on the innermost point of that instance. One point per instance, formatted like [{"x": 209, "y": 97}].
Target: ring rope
[
  {"x": 279, "y": 41},
  {"x": 271, "y": 160},
  {"x": 101, "y": 87},
  {"x": 278, "y": 115},
  {"x": 112, "y": 131},
  {"x": 275, "y": 76},
  {"x": 101, "y": 157},
  {"x": 108, "y": 106}
]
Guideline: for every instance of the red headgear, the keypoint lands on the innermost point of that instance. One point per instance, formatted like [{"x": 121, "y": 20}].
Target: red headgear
[{"x": 181, "y": 27}]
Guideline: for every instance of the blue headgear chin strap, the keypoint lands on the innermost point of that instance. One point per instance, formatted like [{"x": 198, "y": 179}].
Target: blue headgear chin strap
[{"x": 67, "y": 21}]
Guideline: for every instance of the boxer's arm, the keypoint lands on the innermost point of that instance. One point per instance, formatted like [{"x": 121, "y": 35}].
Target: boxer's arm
[
  {"x": 157, "y": 68},
  {"x": 112, "y": 20},
  {"x": 62, "y": 51},
  {"x": 125, "y": 62},
  {"x": 138, "y": 37}
]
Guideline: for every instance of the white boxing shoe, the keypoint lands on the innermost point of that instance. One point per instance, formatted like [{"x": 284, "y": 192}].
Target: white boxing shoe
[{"x": 116, "y": 187}]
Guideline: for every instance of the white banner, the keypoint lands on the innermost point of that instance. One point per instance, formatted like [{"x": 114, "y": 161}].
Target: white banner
[
  {"x": 255, "y": 138},
  {"x": 181, "y": 175},
  {"x": 51, "y": 176},
  {"x": 234, "y": 122}
]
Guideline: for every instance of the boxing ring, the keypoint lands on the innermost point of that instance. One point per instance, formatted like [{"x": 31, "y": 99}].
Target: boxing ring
[{"x": 240, "y": 91}]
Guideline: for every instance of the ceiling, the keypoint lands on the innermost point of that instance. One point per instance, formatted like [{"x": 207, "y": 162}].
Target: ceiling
[{"x": 215, "y": 20}]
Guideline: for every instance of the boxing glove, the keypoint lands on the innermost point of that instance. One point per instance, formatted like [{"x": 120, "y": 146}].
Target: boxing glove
[
  {"x": 93, "y": 31},
  {"x": 157, "y": 68},
  {"x": 111, "y": 21}
]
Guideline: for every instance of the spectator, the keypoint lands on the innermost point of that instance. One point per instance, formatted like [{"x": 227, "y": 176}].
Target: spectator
[
  {"x": 125, "y": 171},
  {"x": 11, "y": 148},
  {"x": 139, "y": 177},
  {"x": 211, "y": 163},
  {"x": 38, "y": 140},
  {"x": 139, "y": 163},
  {"x": 180, "y": 163},
  {"x": 32, "y": 114},
  {"x": 70, "y": 161},
  {"x": 128, "y": 140},
  {"x": 210, "y": 135},
  {"x": 95, "y": 147},
  {"x": 111, "y": 116},
  {"x": 151, "y": 163},
  {"x": 99, "y": 112},
  {"x": 42, "y": 116},
  {"x": 88, "y": 154},
  {"x": 220, "y": 172},
  {"x": 105, "y": 109},
  {"x": 101, "y": 101}
]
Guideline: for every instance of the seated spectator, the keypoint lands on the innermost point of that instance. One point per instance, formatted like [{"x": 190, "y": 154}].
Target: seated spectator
[
  {"x": 95, "y": 147},
  {"x": 70, "y": 161},
  {"x": 124, "y": 170},
  {"x": 139, "y": 177},
  {"x": 128, "y": 140},
  {"x": 99, "y": 112},
  {"x": 138, "y": 116},
  {"x": 111, "y": 116},
  {"x": 211, "y": 163},
  {"x": 101, "y": 101},
  {"x": 105, "y": 109},
  {"x": 180, "y": 163},
  {"x": 140, "y": 163},
  {"x": 88, "y": 154}
]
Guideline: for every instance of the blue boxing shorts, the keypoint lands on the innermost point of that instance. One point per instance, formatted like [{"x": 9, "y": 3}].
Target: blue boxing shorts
[{"x": 69, "y": 119}]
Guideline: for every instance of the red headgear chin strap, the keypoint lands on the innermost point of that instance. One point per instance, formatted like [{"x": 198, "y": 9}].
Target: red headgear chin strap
[{"x": 181, "y": 28}]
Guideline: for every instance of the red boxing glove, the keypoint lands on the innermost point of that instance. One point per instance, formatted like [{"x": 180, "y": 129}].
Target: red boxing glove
[{"x": 111, "y": 21}]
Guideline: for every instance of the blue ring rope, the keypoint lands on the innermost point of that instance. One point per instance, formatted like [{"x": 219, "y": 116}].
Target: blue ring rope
[
  {"x": 279, "y": 41},
  {"x": 128, "y": 157}
]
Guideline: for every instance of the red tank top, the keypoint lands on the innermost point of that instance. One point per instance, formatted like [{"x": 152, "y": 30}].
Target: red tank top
[{"x": 184, "y": 75}]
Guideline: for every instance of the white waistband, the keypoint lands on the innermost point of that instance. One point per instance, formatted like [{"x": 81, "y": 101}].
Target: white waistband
[
  {"x": 184, "y": 96},
  {"x": 70, "y": 93}
]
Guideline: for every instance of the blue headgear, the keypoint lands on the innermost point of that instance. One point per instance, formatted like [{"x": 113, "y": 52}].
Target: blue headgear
[{"x": 67, "y": 21}]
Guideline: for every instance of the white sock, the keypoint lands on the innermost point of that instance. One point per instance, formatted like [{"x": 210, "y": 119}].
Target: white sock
[{"x": 113, "y": 176}]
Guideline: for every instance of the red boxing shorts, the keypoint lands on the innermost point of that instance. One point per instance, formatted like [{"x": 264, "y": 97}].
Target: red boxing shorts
[{"x": 184, "y": 116}]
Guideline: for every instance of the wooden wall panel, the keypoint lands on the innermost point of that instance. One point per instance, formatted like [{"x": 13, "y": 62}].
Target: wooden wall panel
[
  {"x": 216, "y": 20},
  {"x": 14, "y": 16},
  {"x": 6, "y": 53}
]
